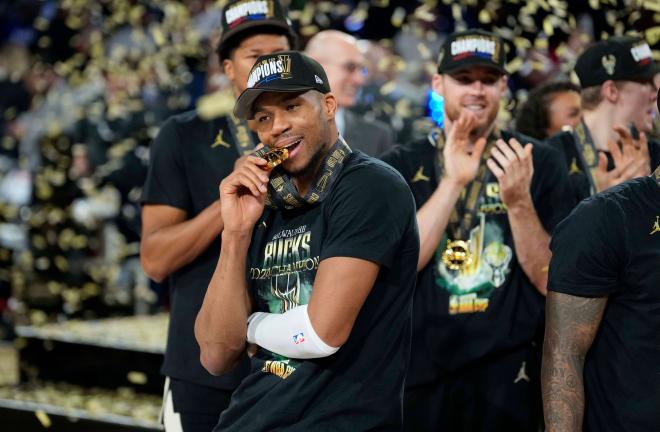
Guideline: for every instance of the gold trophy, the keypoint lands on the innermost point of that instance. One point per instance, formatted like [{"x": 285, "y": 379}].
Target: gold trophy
[
  {"x": 457, "y": 255},
  {"x": 274, "y": 156}
]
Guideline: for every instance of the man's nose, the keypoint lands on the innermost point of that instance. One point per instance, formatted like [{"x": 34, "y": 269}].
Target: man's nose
[
  {"x": 477, "y": 86},
  {"x": 281, "y": 123}
]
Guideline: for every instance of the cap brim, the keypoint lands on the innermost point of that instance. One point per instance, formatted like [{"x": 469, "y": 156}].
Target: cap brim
[
  {"x": 469, "y": 63},
  {"x": 649, "y": 73},
  {"x": 243, "y": 107}
]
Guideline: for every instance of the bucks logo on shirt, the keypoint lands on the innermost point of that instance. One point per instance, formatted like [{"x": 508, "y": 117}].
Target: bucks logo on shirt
[
  {"x": 471, "y": 286},
  {"x": 284, "y": 281}
]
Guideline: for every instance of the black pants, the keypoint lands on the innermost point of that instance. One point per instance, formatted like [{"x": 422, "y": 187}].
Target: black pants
[
  {"x": 497, "y": 394},
  {"x": 198, "y": 406}
]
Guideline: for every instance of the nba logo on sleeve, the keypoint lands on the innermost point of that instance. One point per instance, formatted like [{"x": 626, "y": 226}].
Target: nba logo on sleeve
[{"x": 298, "y": 338}]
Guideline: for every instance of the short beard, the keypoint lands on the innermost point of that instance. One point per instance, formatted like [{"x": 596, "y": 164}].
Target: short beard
[{"x": 311, "y": 166}]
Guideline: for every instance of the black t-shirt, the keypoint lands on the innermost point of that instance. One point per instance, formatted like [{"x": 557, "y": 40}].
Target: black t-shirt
[
  {"x": 459, "y": 318},
  {"x": 369, "y": 214},
  {"x": 188, "y": 159},
  {"x": 610, "y": 247},
  {"x": 565, "y": 143}
]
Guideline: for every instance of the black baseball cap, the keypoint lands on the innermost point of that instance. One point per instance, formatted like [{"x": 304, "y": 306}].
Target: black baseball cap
[
  {"x": 472, "y": 48},
  {"x": 620, "y": 58},
  {"x": 239, "y": 16},
  {"x": 285, "y": 71}
]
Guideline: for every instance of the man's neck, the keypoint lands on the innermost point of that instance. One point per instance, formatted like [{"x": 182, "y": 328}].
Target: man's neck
[
  {"x": 236, "y": 90},
  {"x": 473, "y": 137},
  {"x": 303, "y": 182},
  {"x": 600, "y": 122}
]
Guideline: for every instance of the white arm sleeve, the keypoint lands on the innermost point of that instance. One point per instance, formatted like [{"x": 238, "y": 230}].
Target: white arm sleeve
[{"x": 289, "y": 334}]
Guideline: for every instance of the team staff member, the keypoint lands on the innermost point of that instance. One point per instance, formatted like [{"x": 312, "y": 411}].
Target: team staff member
[
  {"x": 618, "y": 102},
  {"x": 181, "y": 213},
  {"x": 487, "y": 200},
  {"x": 601, "y": 357},
  {"x": 340, "y": 57},
  {"x": 324, "y": 253}
]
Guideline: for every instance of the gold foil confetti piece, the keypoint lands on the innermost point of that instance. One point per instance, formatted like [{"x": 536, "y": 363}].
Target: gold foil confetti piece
[
  {"x": 43, "y": 418},
  {"x": 135, "y": 377},
  {"x": 652, "y": 35}
]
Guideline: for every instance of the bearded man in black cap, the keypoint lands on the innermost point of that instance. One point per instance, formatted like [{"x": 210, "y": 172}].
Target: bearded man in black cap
[
  {"x": 610, "y": 145},
  {"x": 181, "y": 213},
  {"x": 601, "y": 356},
  {"x": 487, "y": 199},
  {"x": 317, "y": 268}
]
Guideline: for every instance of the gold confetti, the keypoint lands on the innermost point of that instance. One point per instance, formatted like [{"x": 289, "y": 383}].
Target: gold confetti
[
  {"x": 652, "y": 35},
  {"x": 43, "y": 418},
  {"x": 548, "y": 27},
  {"x": 135, "y": 377},
  {"x": 44, "y": 42},
  {"x": 424, "y": 14},
  {"x": 41, "y": 24},
  {"x": 653, "y": 5},
  {"x": 398, "y": 17}
]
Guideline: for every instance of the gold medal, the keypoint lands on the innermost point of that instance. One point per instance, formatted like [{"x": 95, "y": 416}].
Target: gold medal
[
  {"x": 274, "y": 156},
  {"x": 456, "y": 255}
]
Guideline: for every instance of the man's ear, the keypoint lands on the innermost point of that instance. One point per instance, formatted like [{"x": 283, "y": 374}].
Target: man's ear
[
  {"x": 503, "y": 84},
  {"x": 330, "y": 104},
  {"x": 228, "y": 68},
  {"x": 437, "y": 84},
  {"x": 609, "y": 91}
]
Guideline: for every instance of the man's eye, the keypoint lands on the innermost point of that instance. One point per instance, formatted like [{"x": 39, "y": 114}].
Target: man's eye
[
  {"x": 291, "y": 107},
  {"x": 261, "y": 119}
]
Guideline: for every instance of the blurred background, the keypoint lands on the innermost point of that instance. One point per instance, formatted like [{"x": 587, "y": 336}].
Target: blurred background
[{"x": 84, "y": 87}]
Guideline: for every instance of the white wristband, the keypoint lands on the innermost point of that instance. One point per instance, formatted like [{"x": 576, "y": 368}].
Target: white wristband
[{"x": 289, "y": 334}]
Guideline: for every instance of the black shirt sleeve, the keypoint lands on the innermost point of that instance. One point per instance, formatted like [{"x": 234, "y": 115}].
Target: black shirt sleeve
[
  {"x": 368, "y": 214},
  {"x": 589, "y": 249},
  {"x": 551, "y": 189},
  {"x": 166, "y": 179},
  {"x": 395, "y": 158}
]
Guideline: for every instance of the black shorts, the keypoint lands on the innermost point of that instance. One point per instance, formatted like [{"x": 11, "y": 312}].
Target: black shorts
[{"x": 197, "y": 406}]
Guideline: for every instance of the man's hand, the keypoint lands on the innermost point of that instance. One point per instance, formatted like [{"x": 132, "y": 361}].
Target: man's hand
[
  {"x": 631, "y": 160},
  {"x": 514, "y": 172},
  {"x": 241, "y": 160},
  {"x": 243, "y": 194},
  {"x": 460, "y": 165}
]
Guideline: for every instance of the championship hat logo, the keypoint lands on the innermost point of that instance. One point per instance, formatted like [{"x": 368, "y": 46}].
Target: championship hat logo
[
  {"x": 478, "y": 46},
  {"x": 270, "y": 69},
  {"x": 249, "y": 10},
  {"x": 642, "y": 53}
]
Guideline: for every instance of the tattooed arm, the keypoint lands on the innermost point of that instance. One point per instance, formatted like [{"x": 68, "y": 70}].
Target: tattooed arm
[{"x": 571, "y": 325}]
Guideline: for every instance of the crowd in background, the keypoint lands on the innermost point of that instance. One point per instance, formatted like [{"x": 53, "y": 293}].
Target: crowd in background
[{"x": 85, "y": 85}]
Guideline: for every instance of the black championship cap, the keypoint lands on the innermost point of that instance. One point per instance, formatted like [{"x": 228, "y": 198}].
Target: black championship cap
[
  {"x": 624, "y": 58},
  {"x": 241, "y": 15},
  {"x": 471, "y": 48},
  {"x": 285, "y": 71}
]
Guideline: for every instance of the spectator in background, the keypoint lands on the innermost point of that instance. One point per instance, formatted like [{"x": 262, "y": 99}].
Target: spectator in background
[
  {"x": 548, "y": 109},
  {"x": 181, "y": 219},
  {"x": 339, "y": 55}
]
